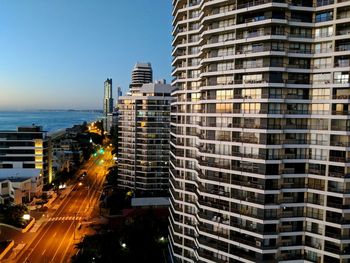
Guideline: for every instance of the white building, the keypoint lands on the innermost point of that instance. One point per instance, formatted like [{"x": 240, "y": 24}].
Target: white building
[
  {"x": 19, "y": 186},
  {"x": 143, "y": 140},
  {"x": 260, "y": 131},
  {"x": 27, "y": 148},
  {"x": 142, "y": 73}
]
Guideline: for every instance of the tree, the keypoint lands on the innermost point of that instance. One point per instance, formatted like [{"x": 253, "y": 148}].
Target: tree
[
  {"x": 99, "y": 125},
  {"x": 140, "y": 239},
  {"x": 14, "y": 215},
  {"x": 112, "y": 176},
  {"x": 62, "y": 177},
  {"x": 114, "y": 139}
]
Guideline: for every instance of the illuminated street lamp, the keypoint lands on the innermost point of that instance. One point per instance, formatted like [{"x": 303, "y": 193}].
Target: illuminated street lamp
[
  {"x": 26, "y": 216},
  {"x": 123, "y": 245}
]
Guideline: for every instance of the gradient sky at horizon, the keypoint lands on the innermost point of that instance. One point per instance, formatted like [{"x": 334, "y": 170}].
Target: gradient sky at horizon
[{"x": 57, "y": 54}]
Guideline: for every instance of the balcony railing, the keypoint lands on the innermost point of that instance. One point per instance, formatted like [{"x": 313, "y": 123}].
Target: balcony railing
[{"x": 257, "y": 2}]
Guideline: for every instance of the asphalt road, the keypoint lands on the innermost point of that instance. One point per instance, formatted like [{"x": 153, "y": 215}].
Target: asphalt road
[{"x": 55, "y": 239}]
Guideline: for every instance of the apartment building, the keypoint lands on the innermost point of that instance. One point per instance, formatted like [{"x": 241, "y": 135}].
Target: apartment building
[
  {"x": 142, "y": 73},
  {"x": 108, "y": 97},
  {"x": 143, "y": 140},
  {"x": 27, "y": 148},
  {"x": 259, "y": 162}
]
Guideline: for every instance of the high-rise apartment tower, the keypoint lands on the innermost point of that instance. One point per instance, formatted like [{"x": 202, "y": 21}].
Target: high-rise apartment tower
[
  {"x": 108, "y": 97},
  {"x": 142, "y": 73},
  {"x": 260, "y": 132},
  {"x": 143, "y": 140}
]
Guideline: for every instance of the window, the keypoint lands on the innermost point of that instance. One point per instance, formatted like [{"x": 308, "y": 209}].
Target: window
[
  {"x": 323, "y": 78},
  {"x": 301, "y": 32},
  {"x": 274, "y": 108},
  {"x": 300, "y": 47},
  {"x": 225, "y": 66},
  {"x": 254, "y": 63},
  {"x": 224, "y": 80},
  {"x": 224, "y": 94},
  {"x": 342, "y": 62},
  {"x": 341, "y": 77},
  {"x": 323, "y": 47},
  {"x": 319, "y": 108},
  {"x": 226, "y": 37},
  {"x": 223, "y": 107},
  {"x": 277, "y": 46},
  {"x": 318, "y": 154},
  {"x": 325, "y": 16},
  {"x": 225, "y": 52},
  {"x": 253, "y": 78},
  {"x": 251, "y": 93},
  {"x": 324, "y": 31},
  {"x": 250, "y": 107},
  {"x": 322, "y": 63},
  {"x": 276, "y": 93},
  {"x": 320, "y": 93}
]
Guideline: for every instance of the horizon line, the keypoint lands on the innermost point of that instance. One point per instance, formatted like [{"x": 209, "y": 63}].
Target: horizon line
[{"x": 4, "y": 110}]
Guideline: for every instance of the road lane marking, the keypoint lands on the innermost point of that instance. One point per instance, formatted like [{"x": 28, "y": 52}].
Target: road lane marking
[
  {"x": 42, "y": 236},
  {"x": 60, "y": 209},
  {"x": 43, "y": 252},
  {"x": 96, "y": 181}
]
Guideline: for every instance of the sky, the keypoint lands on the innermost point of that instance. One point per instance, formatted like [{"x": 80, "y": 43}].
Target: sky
[{"x": 56, "y": 54}]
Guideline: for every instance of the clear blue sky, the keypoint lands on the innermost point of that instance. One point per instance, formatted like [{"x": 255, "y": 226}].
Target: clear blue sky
[{"x": 57, "y": 54}]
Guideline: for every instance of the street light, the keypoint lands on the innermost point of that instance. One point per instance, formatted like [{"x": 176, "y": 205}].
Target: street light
[{"x": 26, "y": 216}]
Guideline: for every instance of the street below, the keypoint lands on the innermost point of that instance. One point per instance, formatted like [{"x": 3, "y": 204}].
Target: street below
[{"x": 69, "y": 221}]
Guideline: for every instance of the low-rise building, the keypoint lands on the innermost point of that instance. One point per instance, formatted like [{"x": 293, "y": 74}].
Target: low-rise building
[
  {"x": 27, "y": 148},
  {"x": 67, "y": 153},
  {"x": 19, "y": 186}
]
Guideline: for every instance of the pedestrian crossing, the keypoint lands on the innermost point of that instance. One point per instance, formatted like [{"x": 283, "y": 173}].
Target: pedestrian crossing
[{"x": 65, "y": 218}]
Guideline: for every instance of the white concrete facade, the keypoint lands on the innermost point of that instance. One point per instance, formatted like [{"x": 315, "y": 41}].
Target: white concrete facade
[
  {"x": 19, "y": 186},
  {"x": 143, "y": 140},
  {"x": 259, "y": 162}
]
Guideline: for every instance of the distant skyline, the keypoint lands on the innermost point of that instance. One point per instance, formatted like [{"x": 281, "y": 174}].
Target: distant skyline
[{"x": 57, "y": 54}]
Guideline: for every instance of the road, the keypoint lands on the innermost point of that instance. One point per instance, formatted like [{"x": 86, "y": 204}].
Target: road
[{"x": 55, "y": 239}]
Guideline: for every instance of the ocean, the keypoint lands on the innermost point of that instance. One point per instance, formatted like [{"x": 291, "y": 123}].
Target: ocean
[{"x": 50, "y": 120}]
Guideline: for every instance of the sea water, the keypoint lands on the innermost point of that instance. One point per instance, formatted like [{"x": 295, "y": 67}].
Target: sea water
[{"x": 50, "y": 120}]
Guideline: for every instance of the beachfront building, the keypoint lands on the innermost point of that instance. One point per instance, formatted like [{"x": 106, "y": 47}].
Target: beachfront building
[
  {"x": 108, "y": 107},
  {"x": 143, "y": 140},
  {"x": 108, "y": 97},
  {"x": 27, "y": 148},
  {"x": 259, "y": 165}
]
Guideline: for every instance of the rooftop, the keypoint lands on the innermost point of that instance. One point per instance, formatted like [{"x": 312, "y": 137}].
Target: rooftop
[
  {"x": 17, "y": 175},
  {"x": 156, "y": 88},
  {"x": 142, "y": 65}
]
